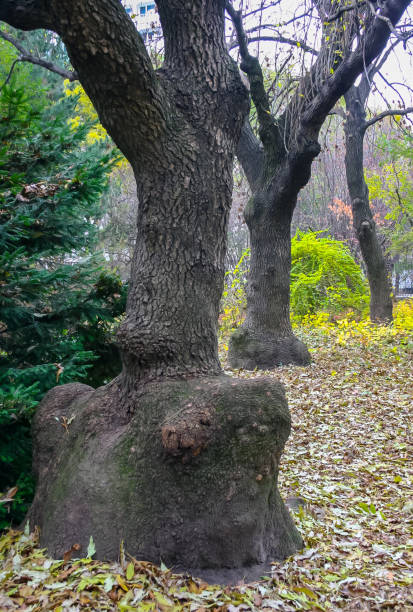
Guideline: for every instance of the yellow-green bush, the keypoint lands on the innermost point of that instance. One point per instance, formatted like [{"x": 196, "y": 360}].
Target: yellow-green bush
[
  {"x": 324, "y": 278},
  {"x": 403, "y": 315},
  {"x": 349, "y": 329}
]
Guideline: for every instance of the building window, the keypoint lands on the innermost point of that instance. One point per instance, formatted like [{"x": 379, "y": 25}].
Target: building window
[{"x": 142, "y": 10}]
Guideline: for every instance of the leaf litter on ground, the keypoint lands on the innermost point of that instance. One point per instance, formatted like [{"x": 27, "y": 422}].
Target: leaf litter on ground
[{"x": 347, "y": 472}]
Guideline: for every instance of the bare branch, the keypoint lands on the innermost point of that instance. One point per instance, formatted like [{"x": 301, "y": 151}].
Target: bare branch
[
  {"x": 262, "y": 8},
  {"x": 14, "y": 64},
  {"x": 65, "y": 74},
  {"x": 13, "y": 41},
  {"x": 371, "y": 45},
  {"x": 342, "y": 10},
  {"x": 388, "y": 113},
  {"x": 251, "y": 66},
  {"x": 299, "y": 44},
  {"x": 26, "y": 56},
  {"x": 391, "y": 86}
]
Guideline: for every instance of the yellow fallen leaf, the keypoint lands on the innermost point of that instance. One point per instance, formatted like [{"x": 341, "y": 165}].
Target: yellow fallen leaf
[{"x": 121, "y": 583}]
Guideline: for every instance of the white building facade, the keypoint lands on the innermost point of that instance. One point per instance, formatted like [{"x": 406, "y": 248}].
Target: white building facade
[{"x": 145, "y": 16}]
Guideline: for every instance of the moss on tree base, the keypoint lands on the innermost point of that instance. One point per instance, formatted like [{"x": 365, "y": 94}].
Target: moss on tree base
[
  {"x": 190, "y": 478},
  {"x": 249, "y": 350}
]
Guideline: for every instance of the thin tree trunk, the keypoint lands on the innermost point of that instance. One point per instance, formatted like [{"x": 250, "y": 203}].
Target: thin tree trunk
[{"x": 381, "y": 306}]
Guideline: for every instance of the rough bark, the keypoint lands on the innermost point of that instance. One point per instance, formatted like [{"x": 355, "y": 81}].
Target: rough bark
[
  {"x": 290, "y": 145},
  {"x": 266, "y": 339},
  {"x": 172, "y": 457},
  {"x": 190, "y": 479},
  {"x": 381, "y": 306}
]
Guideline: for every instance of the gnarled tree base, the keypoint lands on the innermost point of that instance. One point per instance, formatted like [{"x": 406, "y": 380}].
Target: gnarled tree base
[
  {"x": 188, "y": 476},
  {"x": 250, "y": 350}
]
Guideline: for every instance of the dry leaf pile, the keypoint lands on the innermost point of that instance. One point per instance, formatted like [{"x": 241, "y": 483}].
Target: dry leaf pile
[{"x": 347, "y": 468}]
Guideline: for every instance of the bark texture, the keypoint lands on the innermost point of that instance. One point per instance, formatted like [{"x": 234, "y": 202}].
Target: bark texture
[
  {"x": 266, "y": 339},
  {"x": 172, "y": 457},
  {"x": 381, "y": 305},
  {"x": 289, "y": 145}
]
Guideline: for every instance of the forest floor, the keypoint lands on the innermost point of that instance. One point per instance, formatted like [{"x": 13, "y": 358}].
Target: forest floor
[{"x": 349, "y": 458}]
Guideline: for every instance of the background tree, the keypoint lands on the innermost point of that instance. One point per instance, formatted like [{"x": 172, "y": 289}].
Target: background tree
[
  {"x": 180, "y": 460},
  {"x": 356, "y": 124},
  {"x": 279, "y": 166},
  {"x": 391, "y": 184}
]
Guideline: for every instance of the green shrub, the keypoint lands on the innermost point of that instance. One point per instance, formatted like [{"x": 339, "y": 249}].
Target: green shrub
[
  {"x": 325, "y": 277},
  {"x": 57, "y": 303}
]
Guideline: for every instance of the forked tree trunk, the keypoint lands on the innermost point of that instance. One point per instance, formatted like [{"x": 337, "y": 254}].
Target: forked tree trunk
[
  {"x": 172, "y": 457},
  {"x": 279, "y": 166},
  {"x": 381, "y": 306}
]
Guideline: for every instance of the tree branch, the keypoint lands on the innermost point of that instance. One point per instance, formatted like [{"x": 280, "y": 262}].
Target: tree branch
[
  {"x": 280, "y": 39},
  {"x": 388, "y": 113},
  {"x": 387, "y": 20},
  {"x": 342, "y": 10},
  {"x": 113, "y": 65},
  {"x": 12, "y": 67},
  {"x": 26, "y": 56},
  {"x": 370, "y": 46},
  {"x": 251, "y": 66}
]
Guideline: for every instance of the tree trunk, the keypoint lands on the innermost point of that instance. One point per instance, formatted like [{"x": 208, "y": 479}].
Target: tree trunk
[
  {"x": 178, "y": 264},
  {"x": 266, "y": 338},
  {"x": 172, "y": 457},
  {"x": 381, "y": 306}
]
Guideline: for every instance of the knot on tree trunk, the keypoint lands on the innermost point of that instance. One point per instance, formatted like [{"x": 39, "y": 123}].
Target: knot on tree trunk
[
  {"x": 189, "y": 433},
  {"x": 365, "y": 228}
]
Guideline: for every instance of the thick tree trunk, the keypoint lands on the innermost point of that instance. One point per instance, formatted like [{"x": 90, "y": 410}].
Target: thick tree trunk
[
  {"x": 172, "y": 457},
  {"x": 178, "y": 265},
  {"x": 266, "y": 338},
  {"x": 381, "y": 306}
]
